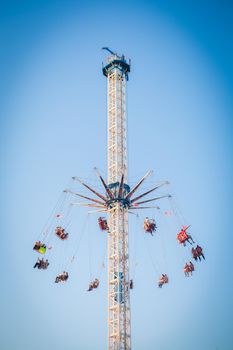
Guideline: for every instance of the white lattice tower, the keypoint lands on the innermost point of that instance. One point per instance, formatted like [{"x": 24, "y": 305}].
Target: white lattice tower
[
  {"x": 117, "y": 200},
  {"x": 119, "y": 333}
]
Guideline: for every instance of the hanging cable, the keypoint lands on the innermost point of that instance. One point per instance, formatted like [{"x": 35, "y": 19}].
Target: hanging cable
[
  {"x": 180, "y": 217},
  {"x": 77, "y": 244},
  {"x": 89, "y": 250},
  {"x": 102, "y": 267},
  {"x": 148, "y": 250},
  {"x": 46, "y": 228},
  {"x": 162, "y": 236},
  {"x": 135, "y": 241}
]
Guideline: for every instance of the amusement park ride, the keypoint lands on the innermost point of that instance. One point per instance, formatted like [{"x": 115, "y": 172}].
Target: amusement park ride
[{"x": 117, "y": 200}]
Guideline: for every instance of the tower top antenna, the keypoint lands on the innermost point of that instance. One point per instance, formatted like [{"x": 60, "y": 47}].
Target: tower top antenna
[{"x": 110, "y": 51}]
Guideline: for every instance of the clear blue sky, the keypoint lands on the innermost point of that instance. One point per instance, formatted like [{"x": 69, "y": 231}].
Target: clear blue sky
[{"x": 53, "y": 126}]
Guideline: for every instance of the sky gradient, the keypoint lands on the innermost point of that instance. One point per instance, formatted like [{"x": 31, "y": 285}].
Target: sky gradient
[{"x": 53, "y": 126}]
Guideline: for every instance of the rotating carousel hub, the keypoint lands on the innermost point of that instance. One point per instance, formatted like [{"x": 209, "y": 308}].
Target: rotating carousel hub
[{"x": 118, "y": 195}]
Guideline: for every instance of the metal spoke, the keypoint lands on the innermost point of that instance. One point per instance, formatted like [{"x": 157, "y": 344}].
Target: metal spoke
[
  {"x": 109, "y": 192},
  {"x": 153, "y": 189},
  {"x": 153, "y": 199},
  {"x": 129, "y": 195},
  {"x": 91, "y": 189},
  {"x": 156, "y": 207},
  {"x": 89, "y": 205},
  {"x": 97, "y": 211},
  {"x": 80, "y": 195}
]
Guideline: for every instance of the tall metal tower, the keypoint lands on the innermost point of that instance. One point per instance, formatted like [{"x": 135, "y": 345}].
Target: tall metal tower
[
  {"x": 116, "y": 70},
  {"x": 117, "y": 201}
]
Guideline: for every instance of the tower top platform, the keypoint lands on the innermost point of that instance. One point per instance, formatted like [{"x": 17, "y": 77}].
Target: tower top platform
[{"x": 115, "y": 61}]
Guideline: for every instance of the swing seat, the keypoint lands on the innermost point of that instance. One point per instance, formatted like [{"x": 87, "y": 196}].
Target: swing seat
[
  {"x": 59, "y": 232},
  {"x": 42, "y": 250},
  {"x": 95, "y": 284},
  {"x": 62, "y": 235},
  {"x": 103, "y": 224},
  {"x": 149, "y": 225},
  {"x": 182, "y": 236},
  {"x": 40, "y": 247}
]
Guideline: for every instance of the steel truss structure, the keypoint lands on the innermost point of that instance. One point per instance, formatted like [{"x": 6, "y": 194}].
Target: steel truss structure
[
  {"x": 119, "y": 332},
  {"x": 117, "y": 202}
]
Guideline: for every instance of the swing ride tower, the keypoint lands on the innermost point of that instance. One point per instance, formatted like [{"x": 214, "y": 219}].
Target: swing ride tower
[
  {"x": 117, "y": 200},
  {"x": 116, "y": 69}
]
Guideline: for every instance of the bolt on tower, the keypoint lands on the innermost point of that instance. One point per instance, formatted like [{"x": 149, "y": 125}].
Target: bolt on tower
[{"x": 116, "y": 70}]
